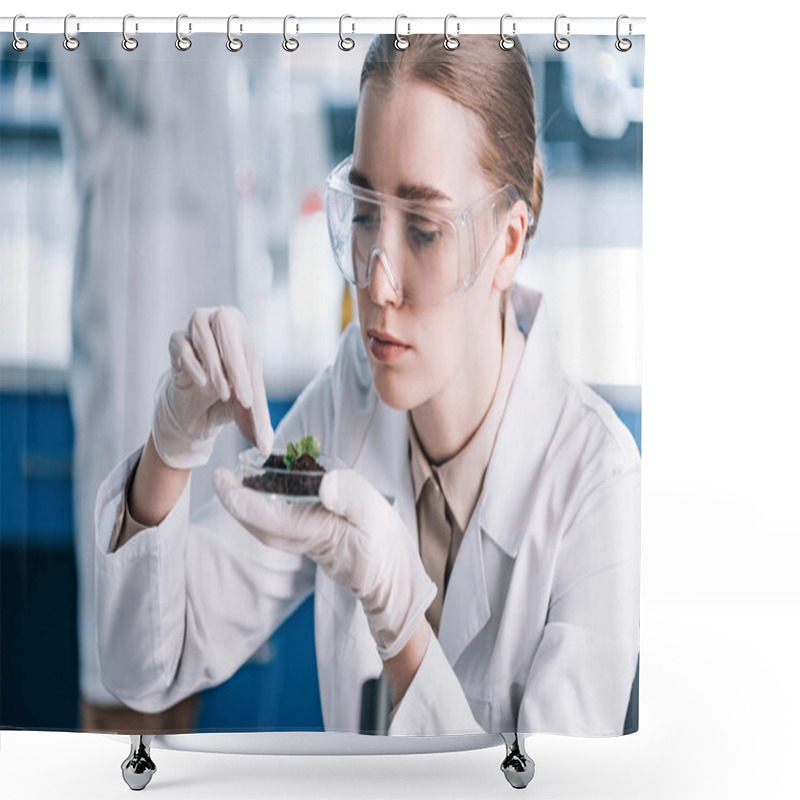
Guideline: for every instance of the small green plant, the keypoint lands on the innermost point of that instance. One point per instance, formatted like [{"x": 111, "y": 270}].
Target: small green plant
[{"x": 307, "y": 445}]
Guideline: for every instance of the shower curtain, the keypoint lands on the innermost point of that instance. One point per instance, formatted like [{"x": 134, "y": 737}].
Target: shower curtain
[{"x": 171, "y": 228}]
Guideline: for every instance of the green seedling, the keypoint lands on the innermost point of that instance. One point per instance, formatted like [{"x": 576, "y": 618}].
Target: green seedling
[{"x": 307, "y": 445}]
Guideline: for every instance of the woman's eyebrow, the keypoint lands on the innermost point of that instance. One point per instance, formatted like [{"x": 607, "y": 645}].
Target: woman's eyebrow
[{"x": 419, "y": 192}]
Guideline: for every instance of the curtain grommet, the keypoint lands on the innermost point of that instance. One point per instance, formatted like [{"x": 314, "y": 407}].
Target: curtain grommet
[
  {"x": 561, "y": 43},
  {"x": 19, "y": 44},
  {"x": 70, "y": 42},
  {"x": 345, "y": 42},
  {"x": 289, "y": 44},
  {"x": 506, "y": 42},
  {"x": 623, "y": 45},
  {"x": 129, "y": 43},
  {"x": 233, "y": 44},
  {"x": 183, "y": 43},
  {"x": 451, "y": 42},
  {"x": 401, "y": 42}
]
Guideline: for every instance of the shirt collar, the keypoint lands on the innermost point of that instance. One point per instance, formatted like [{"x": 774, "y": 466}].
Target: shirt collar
[{"x": 460, "y": 478}]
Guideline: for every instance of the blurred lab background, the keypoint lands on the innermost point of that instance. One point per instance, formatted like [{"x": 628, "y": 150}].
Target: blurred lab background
[{"x": 283, "y": 120}]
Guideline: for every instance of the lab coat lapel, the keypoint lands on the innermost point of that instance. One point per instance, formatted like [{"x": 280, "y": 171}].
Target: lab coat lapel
[
  {"x": 506, "y": 494},
  {"x": 466, "y": 606},
  {"x": 383, "y": 460},
  {"x": 534, "y": 406}
]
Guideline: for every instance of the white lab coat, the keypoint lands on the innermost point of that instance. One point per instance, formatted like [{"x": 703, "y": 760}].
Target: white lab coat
[
  {"x": 540, "y": 624},
  {"x": 156, "y": 238}
]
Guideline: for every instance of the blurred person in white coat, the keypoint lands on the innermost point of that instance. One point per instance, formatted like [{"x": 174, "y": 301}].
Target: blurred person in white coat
[
  {"x": 481, "y": 549},
  {"x": 145, "y": 132}
]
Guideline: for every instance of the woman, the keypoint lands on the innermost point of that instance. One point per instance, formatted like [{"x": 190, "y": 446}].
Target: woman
[{"x": 482, "y": 549}]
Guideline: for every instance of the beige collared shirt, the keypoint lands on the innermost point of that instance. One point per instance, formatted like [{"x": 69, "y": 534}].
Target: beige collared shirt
[
  {"x": 446, "y": 493},
  {"x": 125, "y": 525}
]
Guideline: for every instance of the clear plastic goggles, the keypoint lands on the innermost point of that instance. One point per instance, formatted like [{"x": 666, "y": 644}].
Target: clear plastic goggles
[{"x": 429, "y": 253}]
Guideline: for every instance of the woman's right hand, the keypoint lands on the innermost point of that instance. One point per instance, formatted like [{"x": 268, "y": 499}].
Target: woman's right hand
[{"x": 214, "y": 378}]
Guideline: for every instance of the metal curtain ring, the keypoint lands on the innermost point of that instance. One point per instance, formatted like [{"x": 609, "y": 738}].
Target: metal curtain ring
[
  {"x": 70, "y": 42},
  {"x": 623, "y": 45},
  {"x": 234, "y": 45},
  {"x": 345, "y": 42},
  {"x": 182, "y": 42},
  {"x": 289, "y": 44},
  {"x": 506, "y": 42},
  {"x": 19, "y": 44},
  {"x": 451, "y": 42},
  {"x": 128, "y": 42},
  {"x": 400, "y": 42},
  {"x": 561, "y": 43}
]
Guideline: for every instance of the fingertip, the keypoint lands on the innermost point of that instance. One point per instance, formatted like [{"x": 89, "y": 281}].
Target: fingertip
[
  {"x": 265, "y": 441},
  {"x": 328, "y": 489},
  {"x": 246, "y": 397}
]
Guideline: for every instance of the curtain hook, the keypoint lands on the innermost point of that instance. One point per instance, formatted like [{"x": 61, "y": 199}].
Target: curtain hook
[
  {"x": 451, "y": 42},
  {"x": 561, "y": 43},
  {"x": 623, "y": 45},
  {"x": 233, "y": 44},
  {"x": 289, "y": 44},
  {"x": 345, "y": 42},
  {"x": 70, "y": 42},
  {"x": 401, "y": 42},
  {"x": 506, "y": 42},
  {"x": 182, "y": 42},
  {"x": 128, "y": 42},
  {"x": 19, "y": 44}
]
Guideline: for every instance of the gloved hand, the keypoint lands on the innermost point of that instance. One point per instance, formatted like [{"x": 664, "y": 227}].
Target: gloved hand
[
  {"x": 356, "y": 536},
  {"x": 214, "y": 378}
]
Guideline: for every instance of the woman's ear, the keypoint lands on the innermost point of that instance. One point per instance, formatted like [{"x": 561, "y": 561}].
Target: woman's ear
[{"x": 513, "y": 237}]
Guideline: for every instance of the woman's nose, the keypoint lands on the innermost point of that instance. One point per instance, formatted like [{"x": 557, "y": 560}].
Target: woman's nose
[{"x": 382, "y": 283}]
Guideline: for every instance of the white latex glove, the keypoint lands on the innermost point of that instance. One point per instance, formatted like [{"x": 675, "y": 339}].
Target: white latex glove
[
  {"x": 214, "y": 378},
  {"x": 356, "y": 536}
]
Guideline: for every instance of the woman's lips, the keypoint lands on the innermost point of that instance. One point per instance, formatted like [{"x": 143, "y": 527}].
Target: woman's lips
[{"x": 384, "y": 350}]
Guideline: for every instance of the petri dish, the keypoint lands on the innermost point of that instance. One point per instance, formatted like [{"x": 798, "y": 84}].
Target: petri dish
[{"x": 294, "y": 486}]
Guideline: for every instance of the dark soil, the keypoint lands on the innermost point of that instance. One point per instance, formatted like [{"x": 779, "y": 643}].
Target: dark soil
[{"x": 296, "y": 481}]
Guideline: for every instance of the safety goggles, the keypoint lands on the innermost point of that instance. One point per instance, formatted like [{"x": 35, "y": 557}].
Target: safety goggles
[{"x": 430, "y": 254}]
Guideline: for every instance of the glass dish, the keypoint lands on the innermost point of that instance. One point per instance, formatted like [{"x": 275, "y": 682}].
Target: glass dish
[{"x": 273, "y": 479}]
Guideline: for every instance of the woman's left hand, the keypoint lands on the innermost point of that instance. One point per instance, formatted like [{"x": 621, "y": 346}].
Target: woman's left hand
[{"x": 356, "y": 536}]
